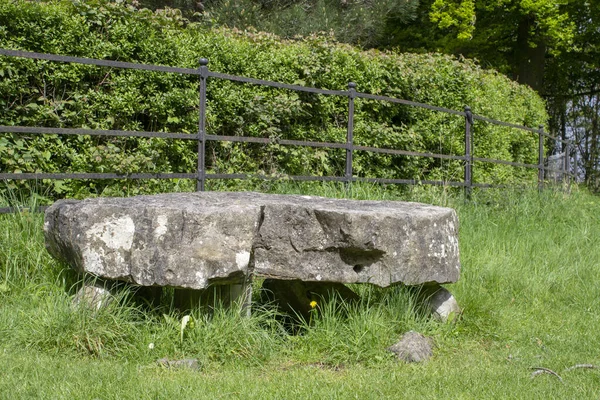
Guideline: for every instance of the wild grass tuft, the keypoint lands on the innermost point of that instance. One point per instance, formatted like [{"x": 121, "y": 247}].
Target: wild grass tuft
[{"x": 340, "y": 332}]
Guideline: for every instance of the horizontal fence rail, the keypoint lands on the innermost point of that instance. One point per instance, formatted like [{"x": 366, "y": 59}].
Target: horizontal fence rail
[
  {"x": 95, "y": 132},
  {"x": 201, "y": 175}
]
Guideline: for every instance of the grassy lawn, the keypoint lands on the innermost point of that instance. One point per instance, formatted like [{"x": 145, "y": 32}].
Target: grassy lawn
[{"x": 529, "y": 290}]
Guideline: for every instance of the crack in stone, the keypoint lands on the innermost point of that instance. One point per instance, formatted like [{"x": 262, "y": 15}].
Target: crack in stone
[
  {"x": 294, "y": 246},
  {"x": 254, "y": 244}
]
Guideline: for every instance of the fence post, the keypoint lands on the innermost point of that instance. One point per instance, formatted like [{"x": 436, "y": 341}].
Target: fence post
[
  {"x": 468, "y": 153},
  {"x": 350, "y": 133},
  {"x": 575, "y": 161},
  {"x": 566, "y": 164},
  {"x": 201, "y": 179},
  {"x": 541, "y": 158}
]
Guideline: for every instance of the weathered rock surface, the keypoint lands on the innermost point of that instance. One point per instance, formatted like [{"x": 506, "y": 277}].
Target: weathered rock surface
[
  {"x": 192, "y": 240},
  {"x": 413, "y": 347},
  {"x": 180, "y": 240}
]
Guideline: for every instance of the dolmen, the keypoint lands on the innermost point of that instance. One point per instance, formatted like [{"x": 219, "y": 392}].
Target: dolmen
[{"x": 194, "y": 241}]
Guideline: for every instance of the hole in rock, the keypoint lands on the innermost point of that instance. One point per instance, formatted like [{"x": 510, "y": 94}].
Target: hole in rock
[{"x": 360, "y": 258}]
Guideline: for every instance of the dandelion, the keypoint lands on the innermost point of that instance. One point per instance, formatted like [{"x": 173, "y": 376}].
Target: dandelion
[{"x": 313, "y": 304}]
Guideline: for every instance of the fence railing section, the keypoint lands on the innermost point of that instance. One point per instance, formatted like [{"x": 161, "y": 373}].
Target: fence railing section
[{"x": 201, "y": 175}]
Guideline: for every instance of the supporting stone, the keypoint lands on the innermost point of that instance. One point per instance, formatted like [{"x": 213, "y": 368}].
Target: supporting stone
[
  {"x": 245, "y": 297},
  {"x": 94, "y": 296},
  {"x": 441, "y": 303}
]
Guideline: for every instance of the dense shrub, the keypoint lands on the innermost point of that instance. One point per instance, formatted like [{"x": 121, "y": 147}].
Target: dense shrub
[{"x": 43, "y": 93}]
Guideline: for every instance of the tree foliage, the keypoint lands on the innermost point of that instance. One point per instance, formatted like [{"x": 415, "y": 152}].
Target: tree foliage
[
  {"x": 573, "y": 90},
  {"x": 551, "y": 45},
  {"x": 359, "y": 22},
  {"x": 551, "y": 21},
  {"x": 513, "y": 36}
]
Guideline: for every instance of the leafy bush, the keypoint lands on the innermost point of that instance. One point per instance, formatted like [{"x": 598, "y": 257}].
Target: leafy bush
[{"x": 43, "y": 93}]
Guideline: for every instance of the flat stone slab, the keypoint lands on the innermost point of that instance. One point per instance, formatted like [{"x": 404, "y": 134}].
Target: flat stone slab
[{"x": 193, "y": 240}]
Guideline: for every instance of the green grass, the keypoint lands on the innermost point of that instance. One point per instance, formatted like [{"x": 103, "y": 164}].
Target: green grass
[{"x": 530, "y": 268}]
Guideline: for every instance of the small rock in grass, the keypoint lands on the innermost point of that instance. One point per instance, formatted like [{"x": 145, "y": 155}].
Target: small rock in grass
[
  {"x": 191, "y": 363},
  {"x": 413, "y": 347}
]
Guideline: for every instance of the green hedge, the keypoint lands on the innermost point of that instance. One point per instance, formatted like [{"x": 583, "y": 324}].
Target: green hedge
[{"x": 43, "y": 93}]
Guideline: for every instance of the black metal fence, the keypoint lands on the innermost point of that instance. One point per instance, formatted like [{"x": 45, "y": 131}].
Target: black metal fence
[{"x": 200, "y": 175}]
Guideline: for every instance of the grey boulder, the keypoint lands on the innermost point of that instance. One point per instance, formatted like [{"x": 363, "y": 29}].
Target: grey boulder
[{"x": 193, "y": 240}]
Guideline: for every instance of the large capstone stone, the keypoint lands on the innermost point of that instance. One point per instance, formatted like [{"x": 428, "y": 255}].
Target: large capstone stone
[{"x": 193, "y": 240}]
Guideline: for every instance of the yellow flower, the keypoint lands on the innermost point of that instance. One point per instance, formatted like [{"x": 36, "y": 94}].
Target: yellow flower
[{"x": 313, "y": 304}]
